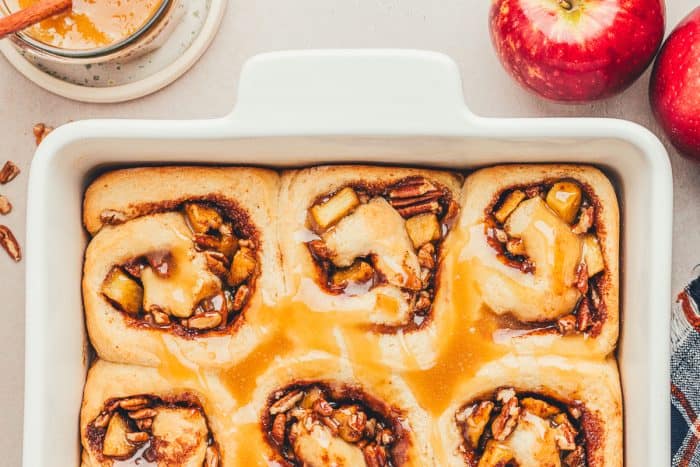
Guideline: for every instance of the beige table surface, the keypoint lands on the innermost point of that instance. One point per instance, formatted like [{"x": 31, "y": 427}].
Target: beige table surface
[{"x": 455, "y": 27}]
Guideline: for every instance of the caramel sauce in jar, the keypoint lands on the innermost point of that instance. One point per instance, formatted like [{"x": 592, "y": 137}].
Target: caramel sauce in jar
[{"x": 93, "y": 24}]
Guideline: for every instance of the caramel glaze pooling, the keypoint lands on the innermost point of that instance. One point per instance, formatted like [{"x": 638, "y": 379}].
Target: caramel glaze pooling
[
  {"x": 289, "y": 328},
  {"x": 129, "y": 421},
  {"x": 467, "y": 345},
  {"x": 590, "y": 312},
  {"x": 413, "y": 198},
  {"x": 224, "y": 233}
]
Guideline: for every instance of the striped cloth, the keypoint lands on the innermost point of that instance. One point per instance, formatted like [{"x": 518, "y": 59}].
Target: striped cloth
[{"x": 685, "y": 377}]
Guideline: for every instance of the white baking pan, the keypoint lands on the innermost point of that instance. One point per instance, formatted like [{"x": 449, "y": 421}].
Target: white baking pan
[{"x": 300, "y": 108}]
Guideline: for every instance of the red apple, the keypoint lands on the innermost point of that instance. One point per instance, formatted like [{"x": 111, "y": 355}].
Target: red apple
[
  {"x": 576, "y": 50},
  {"x": 674, "y": 91}
]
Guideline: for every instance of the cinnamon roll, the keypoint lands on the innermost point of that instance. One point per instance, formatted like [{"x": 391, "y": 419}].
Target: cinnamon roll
[
  {"x": 316, "y": 410},
  {"x": 541, "y": 245},
  {"x": 366, "y": 242},
  {"x": 181, "y": 259},
  {"x": 352, "y": 315},
  {"x": 132, "y": 415},
  {"x": 533, "y": 412}
]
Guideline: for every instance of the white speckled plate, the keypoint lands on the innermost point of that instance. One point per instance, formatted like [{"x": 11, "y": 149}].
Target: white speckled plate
[{"x": 118, "y": 82}]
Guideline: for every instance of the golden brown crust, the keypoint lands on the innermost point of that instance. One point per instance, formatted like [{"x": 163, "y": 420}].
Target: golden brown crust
[
  {"x": 592, "y": 387},
  {"x": 480, "y": 193},
  {"x": 145, "y": 198},
  {"x": 144, "y": 190},
  {"x": 393, "y": 373}
]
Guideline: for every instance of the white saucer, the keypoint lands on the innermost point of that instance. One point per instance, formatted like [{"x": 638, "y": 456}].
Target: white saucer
[{"x": 118, "y": 82}]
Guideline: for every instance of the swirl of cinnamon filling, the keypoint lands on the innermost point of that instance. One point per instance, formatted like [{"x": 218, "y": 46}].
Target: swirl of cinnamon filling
[
  {"x": 510, "y": 429},
  {"x": 549, "y": 231},
  {"x": 200, "y": 283},
  {"x": 316, "y": 424},
  {"x": 149, "y": 430},
  {"x": 383, "y": 237}
]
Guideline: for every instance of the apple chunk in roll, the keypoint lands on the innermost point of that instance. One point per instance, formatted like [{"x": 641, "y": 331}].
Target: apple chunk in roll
[
  {"x": 541, "y": 244},
  {"x": 315, "y": 409},
  {"x": 532, "y": 412},
  {"x": 180, "y": 261},
  {"x": 366, "y": 243},
  {"x": 133, "y": 415}
]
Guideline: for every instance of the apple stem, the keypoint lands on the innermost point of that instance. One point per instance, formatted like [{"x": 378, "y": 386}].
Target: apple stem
[{"x": 566, "y": 4}]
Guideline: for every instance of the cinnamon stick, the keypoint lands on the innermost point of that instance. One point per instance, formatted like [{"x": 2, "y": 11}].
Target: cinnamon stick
[{"x": 31, "y": 15}]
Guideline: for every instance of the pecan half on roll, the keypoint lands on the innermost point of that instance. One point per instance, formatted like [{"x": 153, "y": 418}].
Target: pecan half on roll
[
  {"x": 148, "y": 429},
  {"x": 383, "y": 235},
  {"x": 310, "y": 424},
  {"x": 550, "y": 230},
  {"x": 527, "y": 429},
  {"x": 200, "y": 284}
]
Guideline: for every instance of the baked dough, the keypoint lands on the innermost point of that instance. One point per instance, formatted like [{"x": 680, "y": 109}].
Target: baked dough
[
  {"x": 374, "y": 229},
  {"x": 188, "y": 415},
  {"x": 382, "y": 396},
  {"x": 539, "y": 298},
  {"x": 322, "y": 353},
  {"x": 592, "y": 388},
  {"x": 141, "y": 206}
]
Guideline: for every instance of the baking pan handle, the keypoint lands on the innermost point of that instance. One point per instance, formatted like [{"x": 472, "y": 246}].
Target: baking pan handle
[{"x": 362, "y": 91}]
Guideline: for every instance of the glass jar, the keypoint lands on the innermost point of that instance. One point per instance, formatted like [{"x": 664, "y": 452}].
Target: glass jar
[{"x": 148, "y": 36}]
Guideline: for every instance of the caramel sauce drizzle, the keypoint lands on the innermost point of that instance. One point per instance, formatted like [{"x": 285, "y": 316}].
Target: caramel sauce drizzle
[
  {"x": 145, "y": 454},
  {"x": 467, "y": 337},
  {"x": 466, "y": 342},
  {"x": 593, "y": 285},
  {"x": 409, "y": 197},
  {"x": 173, "y": 277}
]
